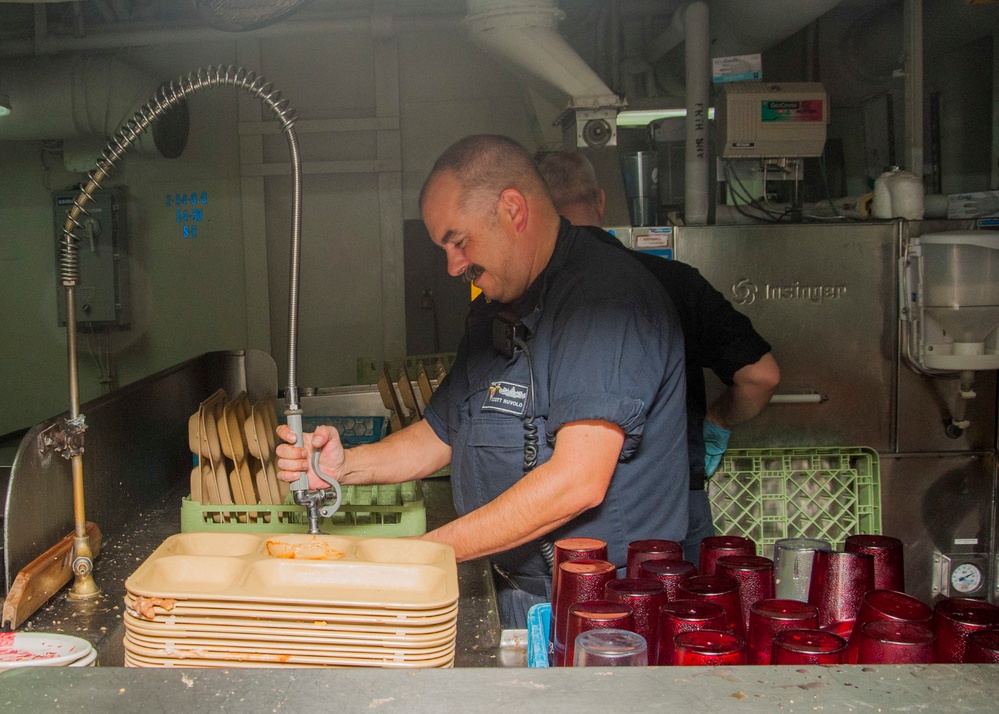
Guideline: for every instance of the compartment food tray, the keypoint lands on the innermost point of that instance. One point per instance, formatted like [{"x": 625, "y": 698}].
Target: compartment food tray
[
  {"x": 236, "y": 567},
  {"x": 770, "y": 494}
]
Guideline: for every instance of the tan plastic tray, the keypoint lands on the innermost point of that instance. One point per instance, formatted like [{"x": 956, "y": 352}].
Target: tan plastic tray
[
  {"x": 302, "y": 613},
  {"x": 268, "y": 628},
  {"x": 235, "y": 567},
  {"x": 215, "y": 644},
  {"x": 290, "y": 636},
  {"x": 181, "y": 657}
]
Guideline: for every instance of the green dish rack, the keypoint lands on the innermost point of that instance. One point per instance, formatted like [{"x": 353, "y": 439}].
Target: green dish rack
[
  {"x": 384, "y": 511},
  {"x": 770, "y": 494}
]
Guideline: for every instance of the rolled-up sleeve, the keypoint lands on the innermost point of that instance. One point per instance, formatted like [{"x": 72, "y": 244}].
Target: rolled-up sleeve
[{"x": 607, "y": 364}]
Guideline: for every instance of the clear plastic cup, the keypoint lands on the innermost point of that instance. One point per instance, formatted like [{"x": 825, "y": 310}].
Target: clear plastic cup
[{"x": 610, "y": 648}]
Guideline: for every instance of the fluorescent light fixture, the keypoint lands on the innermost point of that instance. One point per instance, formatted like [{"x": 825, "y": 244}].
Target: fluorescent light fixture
[
  {"x": 643, "y": 117},
  {"x": 4, "y": 105}
]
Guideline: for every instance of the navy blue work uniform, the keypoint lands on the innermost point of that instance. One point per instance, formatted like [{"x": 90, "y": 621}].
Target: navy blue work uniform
[
  {"x": 716, "y": 336},
  {"x": 605, "y": 344}
]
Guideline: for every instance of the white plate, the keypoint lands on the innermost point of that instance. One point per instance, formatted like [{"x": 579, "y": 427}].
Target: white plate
[
  {"x": 41, "y": 649},
  {"x": 87, "y": 660}
]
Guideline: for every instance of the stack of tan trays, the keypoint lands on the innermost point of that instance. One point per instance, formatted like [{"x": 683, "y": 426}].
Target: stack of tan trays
[{"x": 290, "y": 600}]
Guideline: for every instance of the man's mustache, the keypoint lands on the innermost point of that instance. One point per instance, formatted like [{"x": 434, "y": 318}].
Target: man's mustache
[{"x": 472, "y": 273}]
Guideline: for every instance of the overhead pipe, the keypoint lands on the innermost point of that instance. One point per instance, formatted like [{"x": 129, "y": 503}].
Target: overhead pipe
[
  {"x": 132, "y": 35},
  {"x": 75, "y": 97},
  {"x": 525, "y": 34},
  {"x": 744, "y": 26},
  {"x": 698, "y": 70}
]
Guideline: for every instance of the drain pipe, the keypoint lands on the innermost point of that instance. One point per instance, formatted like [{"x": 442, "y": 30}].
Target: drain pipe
[
  {"x": 524, "y": 33},
  {"x": 698, "y": 68}
]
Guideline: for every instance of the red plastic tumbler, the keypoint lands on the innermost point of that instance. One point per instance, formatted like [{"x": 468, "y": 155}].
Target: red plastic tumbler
[
  {"x": 955, "y": 619},
  {"x": 720, "y": 589},
  {"x": 983, "y": 647},
  {"x": 715, "y": 547},
  {"x": 886, "y": 605},
  {"x": 889, "y": 568},
  {"x": 683, "y": 616},
  {"x": 567, "y": 550},
  {"x": 645, "y": 597},
  {"x": 652, "y": 549},
  {"x": 570, "y": 549},
  {"x": 708, "y": 647},
  {"x": 894, "y": 642},
  {"x": 669, "y": 573},
  {"x": 756, "y": 579},
  {"x": 580, "y": 581},
  {"x": 808, "y": 647},
  {"x": 768, "y": 617},
  {"x": 594, "y": 615},
  {"x": 839, "y": 583}
]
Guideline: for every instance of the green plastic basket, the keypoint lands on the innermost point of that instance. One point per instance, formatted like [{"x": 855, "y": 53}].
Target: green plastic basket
[
  {"x": 770, "y": 494},
  {"x": 385, "y": 511}
]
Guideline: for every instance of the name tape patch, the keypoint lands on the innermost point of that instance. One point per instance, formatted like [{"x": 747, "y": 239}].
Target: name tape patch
[{"x": 506, "y": 397}]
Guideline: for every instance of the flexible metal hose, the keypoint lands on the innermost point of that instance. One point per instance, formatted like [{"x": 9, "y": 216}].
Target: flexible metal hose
[{"x": 166, "y": 98}]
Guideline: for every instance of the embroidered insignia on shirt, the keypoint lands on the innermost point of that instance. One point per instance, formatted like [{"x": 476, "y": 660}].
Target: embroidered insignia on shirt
[{"x": 506, "y": 397}]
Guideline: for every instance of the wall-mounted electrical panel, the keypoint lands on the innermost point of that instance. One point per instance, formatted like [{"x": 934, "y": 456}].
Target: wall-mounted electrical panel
[{"x": 102, "y": 295}]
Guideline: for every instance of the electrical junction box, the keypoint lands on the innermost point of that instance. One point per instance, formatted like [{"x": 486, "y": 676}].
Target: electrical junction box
[
  {"x": 759, "y": 120},
  {"x": 102, "y": 292}
]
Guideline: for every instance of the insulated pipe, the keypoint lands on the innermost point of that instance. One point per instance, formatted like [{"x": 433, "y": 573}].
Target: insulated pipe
[
  {"x": 744, "y": 26},
  {"x": 698, "y": 67},
  {"x": 128, "y": 35},
  {"x": 524, "y": 33},
  {"x": 72, "y": 97}
]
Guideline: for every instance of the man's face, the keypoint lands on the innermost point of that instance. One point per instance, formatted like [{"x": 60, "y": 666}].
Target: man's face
[{"x": 480, "y": 241}]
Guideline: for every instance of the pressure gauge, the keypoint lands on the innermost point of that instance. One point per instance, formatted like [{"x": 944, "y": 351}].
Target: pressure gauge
[{"x": 966, "y": 578}]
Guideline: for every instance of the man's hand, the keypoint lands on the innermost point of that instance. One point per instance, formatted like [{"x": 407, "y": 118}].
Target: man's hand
[
  {"x": 715, "y": 443},
  {"x": 293, "y": 460}
]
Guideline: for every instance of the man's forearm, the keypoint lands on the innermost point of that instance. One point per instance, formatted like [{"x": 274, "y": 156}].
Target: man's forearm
[
  {"x": 573, "y": 481},
  {"x": 752, "y": 387},
  {"x": 412, "y": 453}
]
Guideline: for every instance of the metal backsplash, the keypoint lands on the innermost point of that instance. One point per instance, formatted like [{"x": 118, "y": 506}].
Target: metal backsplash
[{"x": 136, "y": 449}]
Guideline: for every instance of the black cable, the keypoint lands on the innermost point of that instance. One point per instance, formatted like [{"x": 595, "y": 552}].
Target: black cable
[
  {"x": 530, "y": 428},
  {"x": 531, "y": 447}
]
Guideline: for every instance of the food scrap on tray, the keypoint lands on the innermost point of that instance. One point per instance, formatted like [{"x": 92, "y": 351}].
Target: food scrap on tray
[
  {"x": 145, "y": 606},
  {"x": 314, "y": 549}
]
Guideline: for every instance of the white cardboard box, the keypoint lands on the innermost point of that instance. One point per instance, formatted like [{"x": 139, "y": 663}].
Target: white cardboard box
[{"x": 973, "y": 205}]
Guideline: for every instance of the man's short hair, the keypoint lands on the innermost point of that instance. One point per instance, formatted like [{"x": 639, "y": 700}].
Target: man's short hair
[
  {"x": 486, "y": 165},
  {"x": 570, "y": 178}
]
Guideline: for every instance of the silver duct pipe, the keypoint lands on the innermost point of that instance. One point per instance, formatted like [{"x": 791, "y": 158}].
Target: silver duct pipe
[
  {"x": 74, "y": 97},
  {"x": 524, "y": 33},
  {"x": 129, "y": 35}
]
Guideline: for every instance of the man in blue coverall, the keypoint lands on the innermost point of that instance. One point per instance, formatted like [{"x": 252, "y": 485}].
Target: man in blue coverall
[
  {"x": 563, "y": 414},
  {"x": 716, "y": 336}
]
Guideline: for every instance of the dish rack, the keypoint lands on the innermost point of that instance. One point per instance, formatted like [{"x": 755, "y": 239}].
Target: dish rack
[
  {"x": 385, "y": 511},
  {"x": 770, "y": 494}
]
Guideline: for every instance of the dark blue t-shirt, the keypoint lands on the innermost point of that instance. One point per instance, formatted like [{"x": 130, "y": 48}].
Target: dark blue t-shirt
[{"x": 605, "y": 344}]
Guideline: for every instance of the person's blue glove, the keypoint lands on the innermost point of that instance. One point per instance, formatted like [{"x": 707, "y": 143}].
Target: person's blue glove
[{"x": 715, "y": 443}]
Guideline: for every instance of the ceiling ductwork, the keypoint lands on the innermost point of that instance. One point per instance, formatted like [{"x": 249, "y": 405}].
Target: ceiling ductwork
[
  {"x": 83, "y": 101},
  {"x": 524, "y": 34}
]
